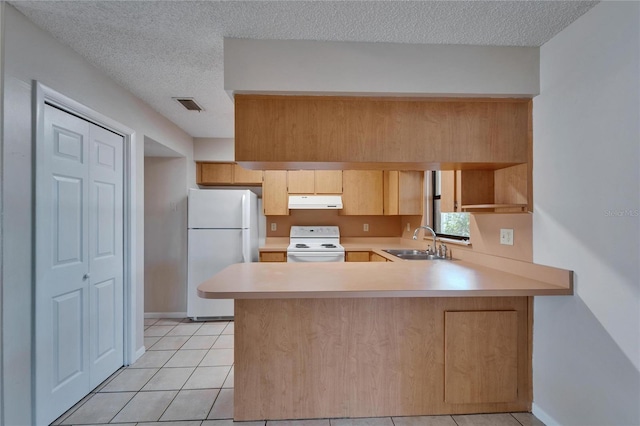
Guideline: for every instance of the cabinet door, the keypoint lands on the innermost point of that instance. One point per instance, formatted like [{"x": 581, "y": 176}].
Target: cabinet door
[
  {"x": 481, "y": 357},
  {"x": 274, "y": 193},
  {"x": 403, "y": 192},
  {"x": 328, "y": 182},
  {"x": 362, "y": 192},
  {"x": 391, "y": 196},
  {"x": 216, "y": 174},
  {"x": 246, "y": 176},
  {"x": 357, "y": 256},
  {"x": 377, "y": 258},
  {"x": 448, "y": 191},
  {"x": 410, "y": 192},
  {"x": 273, "y": 256},
  {"x": 300, "y": 181}
]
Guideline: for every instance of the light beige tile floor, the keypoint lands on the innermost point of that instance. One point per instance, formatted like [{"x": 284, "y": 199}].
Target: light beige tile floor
[{"x": 185, "y": 378}]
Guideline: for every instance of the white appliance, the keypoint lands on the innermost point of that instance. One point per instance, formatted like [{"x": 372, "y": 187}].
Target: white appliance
[
  {"x": 319, "y": 202},
  {"x": 315, "y": 244},
  {"x": 223, "y": 230}
]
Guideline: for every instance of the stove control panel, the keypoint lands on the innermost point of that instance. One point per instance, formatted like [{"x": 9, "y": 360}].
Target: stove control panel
[{"x": 314, "y": 232}]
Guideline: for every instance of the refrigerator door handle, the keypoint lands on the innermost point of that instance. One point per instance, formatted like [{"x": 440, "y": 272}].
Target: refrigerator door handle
[
  {"x": 246, "y": 245},
  {"x": 245, "y": 212}
]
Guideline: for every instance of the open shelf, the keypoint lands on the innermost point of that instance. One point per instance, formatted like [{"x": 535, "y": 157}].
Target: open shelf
[{"x": 494, "y": 207}]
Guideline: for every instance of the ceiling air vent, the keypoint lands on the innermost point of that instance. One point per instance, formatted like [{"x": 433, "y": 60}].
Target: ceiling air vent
[{"x": 190, "y": 104}]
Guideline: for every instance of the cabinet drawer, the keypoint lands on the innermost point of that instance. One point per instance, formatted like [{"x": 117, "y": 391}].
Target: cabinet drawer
[{"x": 273, "y": 256}]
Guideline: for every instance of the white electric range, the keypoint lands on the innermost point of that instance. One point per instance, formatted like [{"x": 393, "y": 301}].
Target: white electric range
[{"x": 315, "y": 244}]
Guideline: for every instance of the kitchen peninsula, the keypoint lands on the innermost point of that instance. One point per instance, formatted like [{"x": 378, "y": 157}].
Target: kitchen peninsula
[
  {"x": 398, "y": 338},
  {"x": 318, "y": 340}
]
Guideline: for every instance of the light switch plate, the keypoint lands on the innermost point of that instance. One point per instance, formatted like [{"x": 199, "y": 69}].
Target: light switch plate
[
  {"x": 365, "y": 227},
  {"x": 408, "y": 227},
  {"x": 506, "y": 237}
]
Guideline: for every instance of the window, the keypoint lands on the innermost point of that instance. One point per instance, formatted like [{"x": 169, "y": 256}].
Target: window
[{"x": 449, "y": 225}]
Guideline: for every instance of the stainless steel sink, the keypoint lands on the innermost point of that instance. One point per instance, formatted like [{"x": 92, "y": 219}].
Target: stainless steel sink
[{"x": 410, "y": 254}]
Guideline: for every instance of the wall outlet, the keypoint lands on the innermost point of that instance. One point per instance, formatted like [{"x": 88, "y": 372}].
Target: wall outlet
[
  {"x": 274, "y": 226},
  {"x": 365, "y": 227},
  {"x": 408, "y": 227},
  {"x": 506, "y": 237}
]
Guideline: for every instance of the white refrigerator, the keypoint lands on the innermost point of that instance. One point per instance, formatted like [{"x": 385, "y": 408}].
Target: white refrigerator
[{"x": 223, "y": 230}]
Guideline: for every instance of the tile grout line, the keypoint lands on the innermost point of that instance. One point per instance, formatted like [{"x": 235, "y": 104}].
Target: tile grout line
[
  {"x": 213, "y": 405},
  {"x": 168, "y": 405},
  {"x": 516, "y": 419},
  {"x": 135, "y": 394}
]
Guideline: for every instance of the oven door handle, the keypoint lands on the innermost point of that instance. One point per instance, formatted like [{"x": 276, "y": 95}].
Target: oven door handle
[{"x": 315, "y": 257}]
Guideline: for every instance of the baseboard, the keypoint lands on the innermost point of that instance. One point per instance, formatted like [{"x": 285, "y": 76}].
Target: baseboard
[
  {"x": 543, "y": 416},
  {"x": 140, "y": 352},
  {"x": 165, "y": 315}
]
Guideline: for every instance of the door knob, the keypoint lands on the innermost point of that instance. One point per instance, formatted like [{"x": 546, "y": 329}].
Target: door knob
[{"x": 85, "y": 277}]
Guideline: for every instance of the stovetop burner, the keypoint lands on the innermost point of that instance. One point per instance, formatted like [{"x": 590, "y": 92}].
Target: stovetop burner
[{"x": 315, "y": 241}]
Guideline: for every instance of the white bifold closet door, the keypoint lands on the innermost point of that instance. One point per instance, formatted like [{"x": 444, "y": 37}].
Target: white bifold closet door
[{"x": 79, "y": 261}]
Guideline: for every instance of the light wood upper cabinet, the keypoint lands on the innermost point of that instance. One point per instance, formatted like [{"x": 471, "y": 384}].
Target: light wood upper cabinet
[
  {"x": 275, "y": 200},
  {"x": 214, "y": 173},
  {"x": 226, "y": 174},
  {"x": 314, "y": 181},
  {"x": 503, "y": 190},
  {"x": 362, "y": 192},
  {"x": 427, "y": 134},
  {"x": 301, "y": 181},
  {"x": 245, "y": 176},
  {"x": 328, "y": 181},
  {"x": 403, "y": 192}
]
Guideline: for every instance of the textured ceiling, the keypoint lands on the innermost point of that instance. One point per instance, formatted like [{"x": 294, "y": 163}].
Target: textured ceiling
[{"x": 164, "y": 49}]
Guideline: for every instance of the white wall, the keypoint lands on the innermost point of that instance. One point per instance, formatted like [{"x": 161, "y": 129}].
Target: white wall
[
  {"x": 165, "y": 236},
  {"x": 30, "y": 54},
  {"x": 586, "y": 355},
  {"x": 214, "y": 149},
  {"x": 379, "y": 68}
]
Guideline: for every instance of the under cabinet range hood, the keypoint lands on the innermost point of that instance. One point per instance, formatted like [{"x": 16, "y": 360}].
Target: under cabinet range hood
[{"x": 315, "y": 202}]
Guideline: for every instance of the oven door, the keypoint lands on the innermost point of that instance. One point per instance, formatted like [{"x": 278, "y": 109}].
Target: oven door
[{"x": 315, "y": 256}]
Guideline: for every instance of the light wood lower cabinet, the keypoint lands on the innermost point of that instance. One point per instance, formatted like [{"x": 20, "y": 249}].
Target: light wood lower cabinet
[
  {"x": 389, "y": 357},
  {"x": 364, "y": 256},
  {"x": 356, "y": 256},
  {"x": 481, "y": 357},
  {"x": 373, "y": 257},
  {"x": 273, "y": 256}
]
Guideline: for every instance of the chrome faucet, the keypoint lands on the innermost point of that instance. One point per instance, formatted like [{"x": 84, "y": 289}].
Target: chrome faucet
[{"x": 433, "y": 233}]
